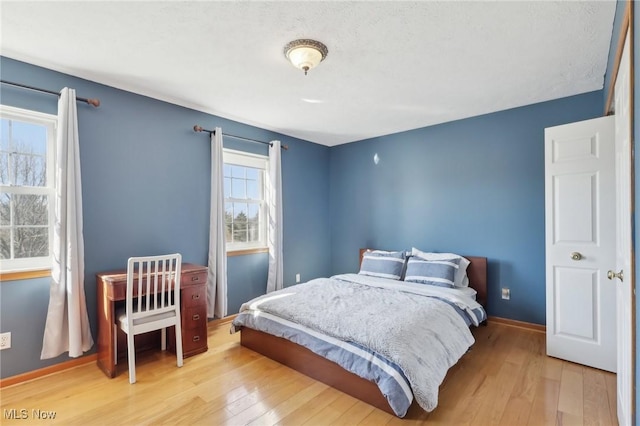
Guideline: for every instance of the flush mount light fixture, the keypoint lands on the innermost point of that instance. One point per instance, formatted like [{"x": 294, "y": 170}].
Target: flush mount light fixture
[{"x": 305, "y": 53}]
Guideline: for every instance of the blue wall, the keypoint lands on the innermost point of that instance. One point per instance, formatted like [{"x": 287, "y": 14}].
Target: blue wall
[
  {"x": 490, "y": 184},
  {"x": 474, "y": 187},
  {"x": 146, "y": 178}
]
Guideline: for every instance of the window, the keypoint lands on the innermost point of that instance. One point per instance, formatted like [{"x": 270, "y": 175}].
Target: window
[
  {"x": 26, "y": 189},
  {"x": 245, "y": 206}
]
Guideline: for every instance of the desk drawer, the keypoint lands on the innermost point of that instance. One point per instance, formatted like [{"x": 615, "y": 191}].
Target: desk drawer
[
  {"x": 190, "y": 278},
  {"x": 194, "y": 340},
  {"x": 194, "y": 296},
  {"x": 194, "y": 317},
  {"x": 119, "y": 291}
]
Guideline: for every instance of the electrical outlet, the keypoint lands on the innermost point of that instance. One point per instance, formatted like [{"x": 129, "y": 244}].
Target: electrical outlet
[
  {"x": 5, "y": 340},
  {"x": 506, "y": 293},
  {"x": 297, "y": 278}
]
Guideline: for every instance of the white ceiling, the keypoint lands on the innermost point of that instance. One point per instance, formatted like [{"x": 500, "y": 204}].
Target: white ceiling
[{"x": 392, "y": 66}]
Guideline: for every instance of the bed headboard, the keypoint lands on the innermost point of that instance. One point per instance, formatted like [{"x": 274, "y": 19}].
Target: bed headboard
[{"x": 476, "y": 271}]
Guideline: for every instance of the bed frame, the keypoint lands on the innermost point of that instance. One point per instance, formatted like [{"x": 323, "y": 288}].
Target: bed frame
[{"x": 303, "y": 360}]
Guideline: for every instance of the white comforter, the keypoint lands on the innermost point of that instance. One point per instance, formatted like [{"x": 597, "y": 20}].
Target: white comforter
[{"x": 422, "y": 335}]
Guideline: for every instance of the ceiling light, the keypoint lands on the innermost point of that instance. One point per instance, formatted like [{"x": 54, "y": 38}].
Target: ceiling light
[{"x": 305, "y": 54}]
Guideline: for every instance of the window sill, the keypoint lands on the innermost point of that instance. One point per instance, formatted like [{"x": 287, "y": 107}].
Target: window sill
[
  {"x": 247, "y": 251},
  {"x": 24, "y": 275}
]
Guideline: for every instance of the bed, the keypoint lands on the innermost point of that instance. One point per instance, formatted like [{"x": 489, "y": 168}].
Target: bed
[{"x": 268, "y": 328}]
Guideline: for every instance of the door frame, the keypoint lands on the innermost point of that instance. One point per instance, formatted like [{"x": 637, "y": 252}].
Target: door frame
[{"x": 627, "y": 26}]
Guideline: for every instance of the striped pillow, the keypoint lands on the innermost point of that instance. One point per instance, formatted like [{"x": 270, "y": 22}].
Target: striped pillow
[
  {"x": 381, "y": 264},
  {"x": 461, "y": 279},
  {"x": 440, "y": 273}
]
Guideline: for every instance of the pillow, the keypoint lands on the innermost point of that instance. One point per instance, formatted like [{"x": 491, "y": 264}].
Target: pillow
[
  {"x": 383, "y": 264},
  {"x": 440, "y": 272},
  {"x": 460, "y": 279}
]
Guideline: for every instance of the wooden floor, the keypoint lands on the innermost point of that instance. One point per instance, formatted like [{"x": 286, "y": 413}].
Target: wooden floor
[{"x": 505, "y": 379}]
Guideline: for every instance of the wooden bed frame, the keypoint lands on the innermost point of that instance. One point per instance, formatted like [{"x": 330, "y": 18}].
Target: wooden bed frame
[{"x": 303, "y": 360}]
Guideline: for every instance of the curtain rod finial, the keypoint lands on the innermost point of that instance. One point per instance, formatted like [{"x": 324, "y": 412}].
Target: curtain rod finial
[
  {"x": 197, "y": 128},
  {"x": 94, "y": 102}
]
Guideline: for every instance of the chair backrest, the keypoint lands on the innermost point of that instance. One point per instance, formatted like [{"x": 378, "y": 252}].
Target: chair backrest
[{"x": 153, "y": 285}]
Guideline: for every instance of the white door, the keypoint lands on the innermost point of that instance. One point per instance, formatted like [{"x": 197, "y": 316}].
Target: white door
[
  {"x": 580, "y": 242},
  {"x": 621, "y": 275}
]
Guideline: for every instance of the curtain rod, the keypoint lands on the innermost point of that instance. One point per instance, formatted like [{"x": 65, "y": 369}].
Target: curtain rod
[
  {"x": 92, "y": 101},
  {"x": 197, "y": 128}
]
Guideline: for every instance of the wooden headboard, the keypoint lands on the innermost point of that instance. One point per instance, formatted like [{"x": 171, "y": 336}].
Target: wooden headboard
[{"x": 477, "y": 273}]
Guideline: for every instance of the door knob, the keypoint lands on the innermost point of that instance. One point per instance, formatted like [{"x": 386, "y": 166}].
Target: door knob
[
  {"x": 576, "y": 255},
  {"x": 611, "y": 275}
]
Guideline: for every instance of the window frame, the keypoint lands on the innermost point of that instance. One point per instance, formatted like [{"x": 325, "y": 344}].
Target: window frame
[
  {"x": 12, "y": 266},
  {"x": 256, "y": 161}
]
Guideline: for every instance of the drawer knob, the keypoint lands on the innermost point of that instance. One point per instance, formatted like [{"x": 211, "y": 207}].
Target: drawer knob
[
  {"x": 195, "y": 278},
  {"x": 196, "y": 317},
  {"x": 196, "y": 338},
  {"x": 195, "y": 296}
]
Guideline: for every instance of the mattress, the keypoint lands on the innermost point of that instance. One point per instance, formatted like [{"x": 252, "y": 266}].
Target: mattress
[{"x": 405, "y": 359}]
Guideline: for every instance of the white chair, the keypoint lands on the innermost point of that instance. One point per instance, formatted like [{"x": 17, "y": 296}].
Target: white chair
[{"x": 152, "y": 302}]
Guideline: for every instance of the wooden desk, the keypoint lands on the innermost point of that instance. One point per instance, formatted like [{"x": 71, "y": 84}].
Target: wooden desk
[{"x": 112, "y": 290}]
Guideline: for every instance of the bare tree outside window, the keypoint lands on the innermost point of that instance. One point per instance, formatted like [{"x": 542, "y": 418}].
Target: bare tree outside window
[
  {"x": 244, "y": 202},
  {"x": 25, "y": 196}
]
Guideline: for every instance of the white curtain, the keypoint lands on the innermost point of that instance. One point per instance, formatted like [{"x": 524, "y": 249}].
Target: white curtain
[
  {"x": 67, "y": 326},
  {"x": 274, "y": 194},
  {"x": 217, "y": 281}
]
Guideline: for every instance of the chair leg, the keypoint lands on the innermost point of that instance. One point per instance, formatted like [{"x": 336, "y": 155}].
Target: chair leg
[
  {"x": 132, "y": 357},
  {"x": 163, "y": 339},
  {"x": 179, "y": 343}
]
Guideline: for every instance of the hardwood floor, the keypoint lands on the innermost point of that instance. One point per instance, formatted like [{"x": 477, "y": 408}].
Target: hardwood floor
[{"x": 505, "y": 380}]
